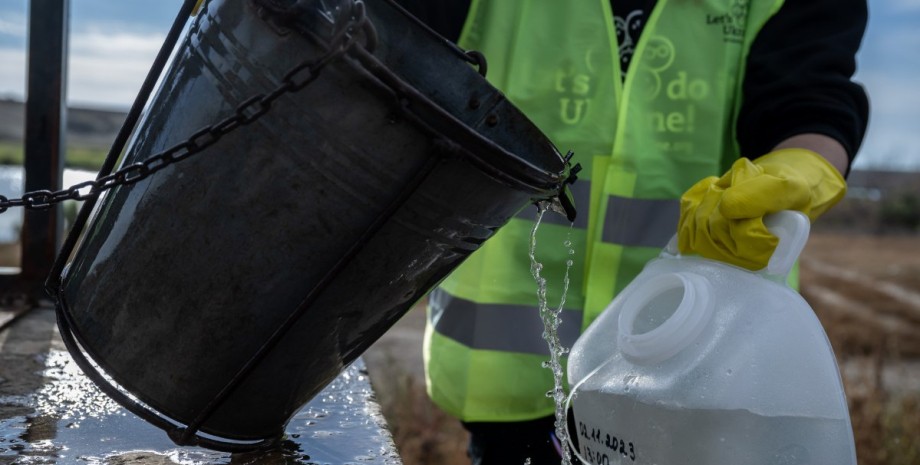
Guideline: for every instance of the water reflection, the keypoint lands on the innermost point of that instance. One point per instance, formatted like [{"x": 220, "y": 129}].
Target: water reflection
[{"x": 72, "y": 422}]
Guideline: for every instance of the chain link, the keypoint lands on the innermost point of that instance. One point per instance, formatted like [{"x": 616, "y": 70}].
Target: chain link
[{"x": 247, "y": 112}]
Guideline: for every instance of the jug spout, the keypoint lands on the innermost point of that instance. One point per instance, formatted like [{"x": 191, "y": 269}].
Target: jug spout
[{"x": 663, "y": 316}]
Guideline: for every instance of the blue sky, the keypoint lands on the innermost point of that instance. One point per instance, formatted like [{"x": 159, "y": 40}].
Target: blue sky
[
  {"x": 889, "y": 68},
  {"x": 112, "y": 44},
  {"x": 114, "y": 41}
]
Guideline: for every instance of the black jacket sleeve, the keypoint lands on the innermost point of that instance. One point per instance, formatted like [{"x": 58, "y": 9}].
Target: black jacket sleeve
[{"x": 798, "y": 77}]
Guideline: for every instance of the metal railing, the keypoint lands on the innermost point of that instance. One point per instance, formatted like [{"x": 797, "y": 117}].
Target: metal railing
[{"x": 45, "y": 123}]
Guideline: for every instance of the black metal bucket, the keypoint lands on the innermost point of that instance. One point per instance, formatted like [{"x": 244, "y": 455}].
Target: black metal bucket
[{"x": 224, "y": 291}]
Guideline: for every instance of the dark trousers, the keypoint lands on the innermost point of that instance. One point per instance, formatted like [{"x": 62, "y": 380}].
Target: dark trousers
[{"x": 512, "y": 443}]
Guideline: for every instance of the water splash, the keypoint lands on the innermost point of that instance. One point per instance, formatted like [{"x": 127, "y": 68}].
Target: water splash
[
  {"x": 551, "y": 320},
  {"x": 68, "y": 420}
]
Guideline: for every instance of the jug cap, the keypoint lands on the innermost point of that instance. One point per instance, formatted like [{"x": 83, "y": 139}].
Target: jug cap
[{"x": 663, "y": 315}]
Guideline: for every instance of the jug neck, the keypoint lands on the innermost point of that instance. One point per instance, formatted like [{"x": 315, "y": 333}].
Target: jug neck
[{"x": 663, "y": 315}]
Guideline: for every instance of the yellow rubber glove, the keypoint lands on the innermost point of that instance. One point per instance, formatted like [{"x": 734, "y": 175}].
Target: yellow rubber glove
[{"x": 722, "y": 218}]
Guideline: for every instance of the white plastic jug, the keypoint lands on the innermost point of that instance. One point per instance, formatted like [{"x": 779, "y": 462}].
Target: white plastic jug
[{"x": 698, "y": 362}]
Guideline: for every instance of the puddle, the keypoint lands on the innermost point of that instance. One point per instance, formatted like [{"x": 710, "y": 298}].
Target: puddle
[{"x": 72, "y": 422}]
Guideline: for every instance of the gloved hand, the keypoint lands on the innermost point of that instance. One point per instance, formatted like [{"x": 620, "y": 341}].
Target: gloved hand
[{"x": 722, "y": 218}]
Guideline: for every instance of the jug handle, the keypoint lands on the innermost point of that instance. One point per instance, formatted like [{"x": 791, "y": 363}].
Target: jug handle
[{"x": 791, "y": 227}]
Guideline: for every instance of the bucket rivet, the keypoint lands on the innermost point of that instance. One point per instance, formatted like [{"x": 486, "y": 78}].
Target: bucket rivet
[
  {"x": 474, "y": 103},
  {"x": 492, "y": 120}
]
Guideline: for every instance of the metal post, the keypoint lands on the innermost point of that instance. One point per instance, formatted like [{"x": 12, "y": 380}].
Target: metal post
[{"x": 45, "y": 123}]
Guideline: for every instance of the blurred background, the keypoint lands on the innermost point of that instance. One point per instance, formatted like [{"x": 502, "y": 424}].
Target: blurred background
[{"x": 860, "y": 271}]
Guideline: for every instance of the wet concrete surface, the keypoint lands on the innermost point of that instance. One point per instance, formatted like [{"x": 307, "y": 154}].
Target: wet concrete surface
[{"x": 50, "y": 413}]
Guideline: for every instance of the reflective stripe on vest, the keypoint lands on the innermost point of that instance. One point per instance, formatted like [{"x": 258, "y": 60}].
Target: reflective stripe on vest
[
  {"x": 642, "y": 141},
  {"x": 640, "y": 222},
  {"x": 509, "y": 328},
  {"x": 628, "y": 221}
]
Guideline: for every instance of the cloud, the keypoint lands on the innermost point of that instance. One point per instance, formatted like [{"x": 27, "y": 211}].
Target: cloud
[
  {"x": 97, "y": 42},
  {"x": 904, "y": 6},
  {"x": 892, "y": 140},
  {"x": 892, "y": 93},
  {"x": 13, "y": 24},
  {"x": 13, "y": 72},
  {"x": 103, "y": 69},
  {"x": 888, "y": 149},
  {"x": 892, "y": 42},
  {"x": 888, "y": 71},
  {"x": 108, "y": 68}
]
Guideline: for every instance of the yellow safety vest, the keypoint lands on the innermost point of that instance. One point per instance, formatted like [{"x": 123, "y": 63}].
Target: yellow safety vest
[{"x": 643, "y": 141}]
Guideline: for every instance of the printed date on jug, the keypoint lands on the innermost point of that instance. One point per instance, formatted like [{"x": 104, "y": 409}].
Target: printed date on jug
[{"x": 610, "y": 442}]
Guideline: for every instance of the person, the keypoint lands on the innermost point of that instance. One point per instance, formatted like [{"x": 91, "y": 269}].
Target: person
[{"x": 688, "y": 116}]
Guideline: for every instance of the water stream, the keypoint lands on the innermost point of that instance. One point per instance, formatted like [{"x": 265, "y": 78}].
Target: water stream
[{"x": 551, "y": 321}]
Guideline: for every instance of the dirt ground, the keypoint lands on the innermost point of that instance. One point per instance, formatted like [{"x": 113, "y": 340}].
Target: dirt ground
[{"x": 865, "y": 289}]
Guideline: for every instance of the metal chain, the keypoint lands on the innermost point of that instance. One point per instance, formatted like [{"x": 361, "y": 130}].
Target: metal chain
[{"x": 247, "y": 112}]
